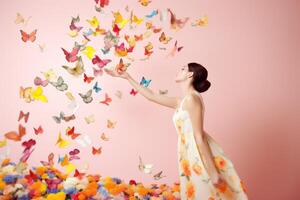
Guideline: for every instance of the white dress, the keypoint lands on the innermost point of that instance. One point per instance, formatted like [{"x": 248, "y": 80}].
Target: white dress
[{"x": 194, "y": 180}]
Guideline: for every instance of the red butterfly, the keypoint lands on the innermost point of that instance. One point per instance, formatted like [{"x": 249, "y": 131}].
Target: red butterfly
[
  {"x": 73, "y": 154},
  {"x": 70, "y": 132},
  {"x": 116, "y": 29},
  {"x": 26, "y": 155},
  {"x": 102, "y": 3},
  {"x": 16, "y": 136},
  {"x": 22, "y": 114},
  {"x": 78, "y": 174},
  {"x": 74, "y": 27},
  {"x": 31, "y": 177},
  {"x": 133, "y": 92},
  {"x": 28, "y": 144},
  {"x": 96, "y": 151},
  {"x": 130, "y": 49},
  {"x": 31, "y": 37},
  {"x": 99, "y": 62},
  {"x": 88, "y": 79},
  {"x": 107, "y": 100},
  {"x": 71, "y": 56},
  {"x": 39, "y": 130},
  {"x": 50, "y": 160}
]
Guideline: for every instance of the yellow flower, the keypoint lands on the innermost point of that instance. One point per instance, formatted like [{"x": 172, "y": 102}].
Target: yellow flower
[
  {"x": 185, "y": 164},
  {"x": 190, "y": 190},
  {"x": 220, "y": 162},
  {"x": 197, "y": 168}
]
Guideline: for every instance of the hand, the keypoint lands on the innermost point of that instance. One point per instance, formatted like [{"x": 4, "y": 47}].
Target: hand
[{"x": 115, "y": 73}]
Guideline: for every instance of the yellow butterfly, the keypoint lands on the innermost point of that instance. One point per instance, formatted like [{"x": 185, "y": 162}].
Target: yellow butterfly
[
  {"x": 50, "y": 75},
  {"x": 89, "y": 51},
  {"x": 89, "y": 119},
  {"x": 70, "y": 96},
  {"x": 3, "y": 143},
  {"x": 119, "y": 19},
  {"x": 99, "y": 31},
  {"x": 135, "y": 19},
  {"x": 94, "y": 22},
  {"x": 144, "y": 2},
  {"x": 164, "y": 39},
  {"x": 203, "y": 21},
  {"x": 73, "y": 33},
  {"x": 64, "y": 161},
  {"x": 111, "y": 124},
  {"x": 21, "y": 20},
  {"x": 25, "y": 93},
  {"x": 61, "y": 142},
  {"x": 69, "y": 168},
  {"x": 37, "y": 94},
  {"x": 77, "y": 70},
  {"x": 104, "y": 137}
]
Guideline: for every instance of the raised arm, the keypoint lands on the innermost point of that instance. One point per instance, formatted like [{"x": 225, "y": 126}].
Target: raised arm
[{"x": 164, "y": 100}]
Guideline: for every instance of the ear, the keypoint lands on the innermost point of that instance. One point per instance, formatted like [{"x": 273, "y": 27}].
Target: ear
[{"x": 190, "y": 74}]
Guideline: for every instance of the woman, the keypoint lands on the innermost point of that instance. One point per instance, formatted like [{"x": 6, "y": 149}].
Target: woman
[{"x": 206, "y": 173}]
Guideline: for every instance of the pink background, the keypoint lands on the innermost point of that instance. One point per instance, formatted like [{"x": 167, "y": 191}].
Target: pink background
[{"x": 250, "y": 48}]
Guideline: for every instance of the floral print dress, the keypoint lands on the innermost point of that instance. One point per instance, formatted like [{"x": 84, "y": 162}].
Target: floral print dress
[{"x": 195, "y": 183}]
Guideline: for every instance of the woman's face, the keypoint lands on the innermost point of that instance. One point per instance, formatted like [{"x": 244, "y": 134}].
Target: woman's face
[{"x": 183, "y": 74}]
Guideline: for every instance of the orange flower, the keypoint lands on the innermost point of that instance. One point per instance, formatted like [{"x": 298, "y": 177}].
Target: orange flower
[
  {"x": 185, "y": 164},
  {"x": 190, "y": 190},
  {"x": 211, "y": 198},
  {"x": 197, "y": 168},
  {"x": 220, "y": 162}
]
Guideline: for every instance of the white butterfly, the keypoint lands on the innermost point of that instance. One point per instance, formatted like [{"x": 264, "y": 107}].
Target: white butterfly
[
  {"x": 90, "y": 119},
  {"x": 146, "y": 168},
  {"x": 84, "y": 141}
]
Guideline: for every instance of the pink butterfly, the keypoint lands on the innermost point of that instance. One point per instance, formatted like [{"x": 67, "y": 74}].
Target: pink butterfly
[
  {"x": 38, "y": 81},
  {"x": 38, "y": 130},
  {"x": 99, "y": 62},
  {"x": 71, "y": 56}
]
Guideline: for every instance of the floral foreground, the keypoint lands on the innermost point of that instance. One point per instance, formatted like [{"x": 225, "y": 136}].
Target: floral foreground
[{"x": 47, "y": 182}]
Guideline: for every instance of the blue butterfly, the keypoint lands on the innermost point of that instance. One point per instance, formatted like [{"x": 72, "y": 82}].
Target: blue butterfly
[
  {"x": 105, "y": 51},
  {"x": 152, "y": 14},
  {"x": 89, "y": 32},
  {"x": 96, "y": 88},
  {"x": 145, "y": 82}
]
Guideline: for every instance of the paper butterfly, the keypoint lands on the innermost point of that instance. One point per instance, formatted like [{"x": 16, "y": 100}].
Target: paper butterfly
[
  {"x": 61, "y": 142},
  {"x": 133, "y": 92},
  {"x": 145, "y": 82},
  {"x": 60, "y": 85},
  {"x": 145, "y": 2},
  {"x": 104, "y": 137},
  {"x": 89, "y": 119},
  {"x": 28, "y": 37},
  {"x": 38, "y": 130},
  {"x": 145, "y": 168},
  {"x": 107, "y": 100},
  {"x": 158, "y": 176},
  {"x": 96, "y": 151},
  {"x": 164, "y": 39},
  {"x": 14, "y": 135},
  {"x": 50, "y": 160},
  {"x": 38, "y": 81},
  {"x": 99, "y": 62},
  {"x": 174, "y": 50},
  {"x": 152, "y": 14},
  {"x": 77, "y": 70},
  {"x": 71, "y": 56},
  {"x": 87, "y": 98},
  {"x": 84, "y": 141},
  {"x": 71, "y": 132},
  {"x": 87, "y": 79},
  {"x": 177, "y": 23},
  {"x": 203, "y": 21},
  {"x": 20, "y": 19},
  {"x": 96, "y": 88},
  {"x": 23, "y": 115},
  {"x": 111, "y": 124}
]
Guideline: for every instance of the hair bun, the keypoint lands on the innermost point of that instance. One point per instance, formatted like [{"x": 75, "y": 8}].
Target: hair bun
[{"x": 203, "y": 86}]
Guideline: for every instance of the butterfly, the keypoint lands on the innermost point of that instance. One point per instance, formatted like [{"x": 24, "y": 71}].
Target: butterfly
[
  {"x": 145, "y": 2},
  {"x": 78, "y": 175},
  {"x": 145, "y": 82},
  {"x": 152, "y": 14},
  {"x": 133, "y": 92},
  {"x": 89, "y": 51},
  {"x": 37, "y": 94},
  {"x": 102, "y": 3},
  {"x": 145, "y": 168},
  {"x": 38, "y": 81},
  {"x": 96, "y": 88},
  {"x": 60, "y": 84},
  {"x": 97, "y": 72},
  {"x": 104, "y": 137},
  {"x": 71, "y": 132},
  {"x": 63, "y": 160},
  {"x": 94, "y": 22},
  {"x": 26, "y": 94},
  {"x": 38, "y": 130},
  {"x": 62, "y": 116},
  {"x": 148, "y": 49},
  {"x": 50, "y": 160},
  {"x": 121, "y": 66},
  {"x": 203, "y": 21},
  {"x": 111, "y": 124},
  {"x": 135, "y": 19},
  {"x": 116, "y": 29},
  {"x": 73, "y": 154},
  {"x": 164, "y": 39},
  {"x": 87, "y": 79},
  {"x": 177, "y": 23},
  {"x": 120, "y": 50},
  {"x": 119, "y": 20},
  {"x": 73, "y": 27},
  {"x": 16, "y": 136},
  {"x": 174, "y": 50},
  {"x": 89, "y": 32},
  {"x": 28, "y": 144},
  {"x": 96, "y": 151},
  {"x": 28, "y": 37},
  {"x": 3, "y": 143},
  {"x": 150, "y": 26},
  {"x": 99, "y": 62},
  {"x": 61, "y": 142},
  {"x": 105, "y": 51},
  {"x": 118, "y": 93},
  {"x": 21, "y": 20},
  {"x": 71, "y": 56},
  {"x": 26, "y": 155},
  {"x": 158, "y": 176},
  {"x": 70, "y": 96},
  {"x": 49, "y": 75},
  {"x": 163, "y": 91},
  {"x": 73, "y": 107},
  {"x": 87, "y": 98},
  {"x": 77, "y": 70},
  {"x": 107, "y": 100},
  {"x": 110, "y": 40},
  {"x": 89, "y": 119},
  {"x": 84, "y": 140},
  {"x": 23, "y": 115}
]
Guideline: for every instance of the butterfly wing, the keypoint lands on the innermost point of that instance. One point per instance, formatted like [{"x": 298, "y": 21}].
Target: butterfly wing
[{"x": 24, "y": 35}]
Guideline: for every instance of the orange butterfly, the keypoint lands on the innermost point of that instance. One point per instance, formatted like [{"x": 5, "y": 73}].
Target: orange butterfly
[
  {"x": 107, "y": 100},
  {"x": 88, "y": 79},
  {"x": 104, "y": 137},
  {"x": 70, "y": 132},
  {"x": 31, "y": 37},
  {"x": 111, "y": 124},
  {"x": 177, "y": 23},
  {"x": 121, "y": 67},
  {"x": 39, "y": 130},
  {"x": 16, "y": 136},
  {"x": 96, "y": 151},
  {"x": 23, "y": 115},
  {"x": 133, "y": 92}
]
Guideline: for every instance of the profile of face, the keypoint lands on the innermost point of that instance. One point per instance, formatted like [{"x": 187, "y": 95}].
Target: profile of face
[{"x": 183, "y": 74}]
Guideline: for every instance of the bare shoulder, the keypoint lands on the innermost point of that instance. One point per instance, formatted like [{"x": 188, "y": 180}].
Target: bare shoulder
[{"x": 192, "y": 101}]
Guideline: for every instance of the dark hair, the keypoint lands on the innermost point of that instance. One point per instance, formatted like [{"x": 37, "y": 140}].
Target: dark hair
[{"x": 199, "y": 82}]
